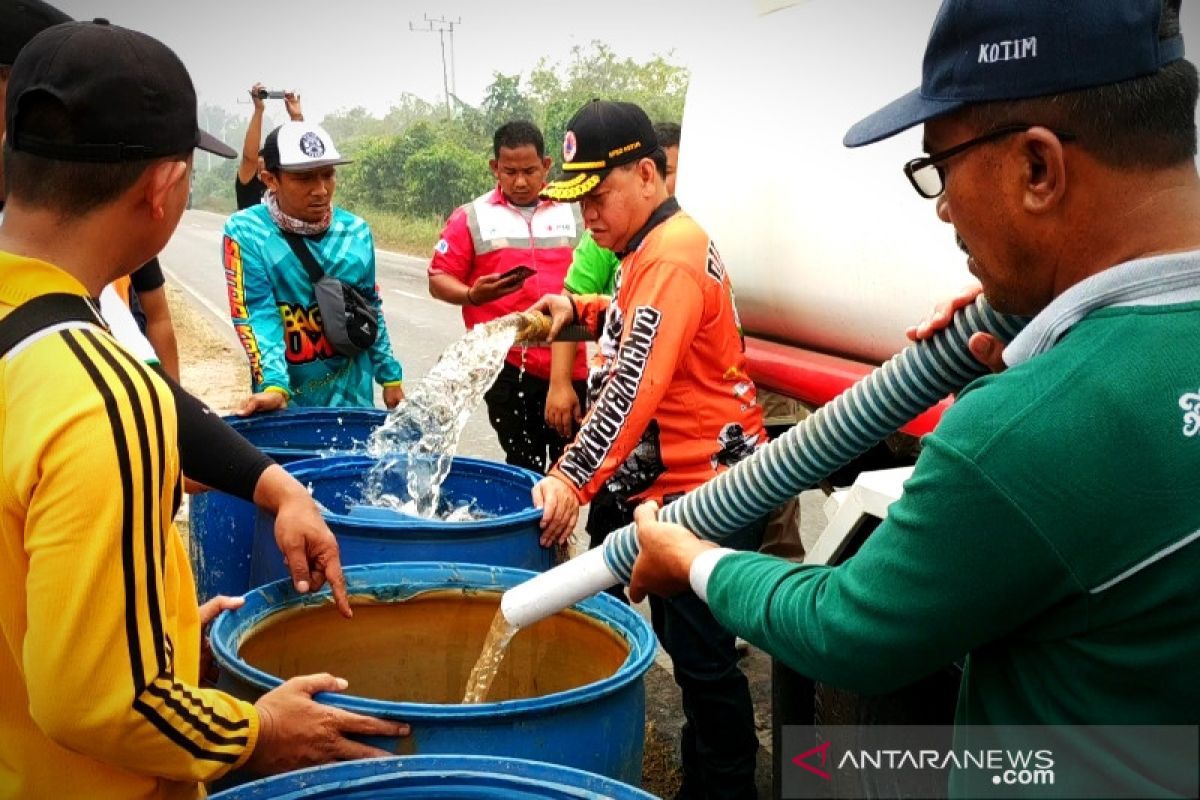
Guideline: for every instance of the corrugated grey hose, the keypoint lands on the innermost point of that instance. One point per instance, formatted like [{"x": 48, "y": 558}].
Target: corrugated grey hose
[{"x": 911, "y": 382}]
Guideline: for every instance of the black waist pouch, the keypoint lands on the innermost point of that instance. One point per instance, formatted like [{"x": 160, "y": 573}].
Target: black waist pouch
[{"x": 348, "y": 318}]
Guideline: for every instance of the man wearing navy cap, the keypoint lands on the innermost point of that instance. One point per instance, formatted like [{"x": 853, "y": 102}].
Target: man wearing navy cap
[{"x": 1050, "y": 533}]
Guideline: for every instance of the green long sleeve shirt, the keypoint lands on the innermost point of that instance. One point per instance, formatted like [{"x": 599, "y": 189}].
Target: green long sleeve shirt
[{"x": 1048, "y": 533}]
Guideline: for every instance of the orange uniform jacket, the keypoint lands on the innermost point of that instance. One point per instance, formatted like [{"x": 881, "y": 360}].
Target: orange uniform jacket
[{"x": 672, "y": 404}]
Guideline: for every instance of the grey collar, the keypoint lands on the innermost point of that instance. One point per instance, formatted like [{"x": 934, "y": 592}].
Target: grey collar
[{"x": 1155, "y": 281}]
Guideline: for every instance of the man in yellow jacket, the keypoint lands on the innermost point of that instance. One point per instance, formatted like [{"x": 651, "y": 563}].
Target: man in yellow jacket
[{"x": 99, "y": 627}]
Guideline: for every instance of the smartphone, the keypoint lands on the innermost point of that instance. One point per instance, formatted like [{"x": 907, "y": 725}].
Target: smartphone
[
  {"x": 518, "y": 274},
  {"x": 270, "y": 94}
]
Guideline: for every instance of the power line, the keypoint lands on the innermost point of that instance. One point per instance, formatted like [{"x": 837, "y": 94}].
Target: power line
[{"x": 441, "y": 26}]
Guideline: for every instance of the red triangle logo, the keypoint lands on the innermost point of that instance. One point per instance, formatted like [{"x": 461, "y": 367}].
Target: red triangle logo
[{"x": 821, "y": 750}]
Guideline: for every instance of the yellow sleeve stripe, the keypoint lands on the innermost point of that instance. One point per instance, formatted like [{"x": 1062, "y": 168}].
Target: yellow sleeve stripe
[{"x": 132, "y": 440}]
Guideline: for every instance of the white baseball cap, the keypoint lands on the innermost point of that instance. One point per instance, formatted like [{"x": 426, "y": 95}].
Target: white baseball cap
[{"x": 298, "y": 147}]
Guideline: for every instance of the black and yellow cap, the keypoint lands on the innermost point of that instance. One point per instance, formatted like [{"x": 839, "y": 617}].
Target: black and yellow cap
[{"x": 602, "y": 135}]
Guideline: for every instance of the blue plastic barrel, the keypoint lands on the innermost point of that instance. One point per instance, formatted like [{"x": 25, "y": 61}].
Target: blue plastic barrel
[
  {"x": 421, "y": 777},
  {"x": 597, "y": 727},
  {"x": 221, "y": 527},
  {"x": 508, "y": 537}
]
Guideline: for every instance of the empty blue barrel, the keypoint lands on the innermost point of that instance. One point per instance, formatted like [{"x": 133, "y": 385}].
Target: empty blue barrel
[
  {"x": 421, "y": 777},
  {"x": 221, "y": 527},
  {"x": 506, "y": 537},
  {"x": 570, "y": 693}
]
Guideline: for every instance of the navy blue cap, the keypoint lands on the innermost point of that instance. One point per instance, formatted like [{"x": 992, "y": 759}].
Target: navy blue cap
[{"x": 985, "y": 50}]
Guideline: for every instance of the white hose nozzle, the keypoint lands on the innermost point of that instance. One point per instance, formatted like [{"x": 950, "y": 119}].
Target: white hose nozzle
[{"x": 557, "y": 589}]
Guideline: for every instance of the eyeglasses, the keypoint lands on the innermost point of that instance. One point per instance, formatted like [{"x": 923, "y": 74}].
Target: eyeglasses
[{"x": 928, "y": 176}]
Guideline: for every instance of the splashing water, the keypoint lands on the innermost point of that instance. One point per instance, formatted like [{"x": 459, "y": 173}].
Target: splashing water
[{"x": 422, "y": 432}]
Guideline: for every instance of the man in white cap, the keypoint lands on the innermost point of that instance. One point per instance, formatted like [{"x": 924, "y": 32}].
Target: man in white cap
[{"x": 274, "y": 253}]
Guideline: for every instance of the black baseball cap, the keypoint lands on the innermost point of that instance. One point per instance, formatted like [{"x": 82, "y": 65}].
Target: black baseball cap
[
  {"x": 602, "y": 135},
  {"x": 981, "y": 51},
  {"x": 125, "y": 96},
  {"x": 20, "y": 21}
]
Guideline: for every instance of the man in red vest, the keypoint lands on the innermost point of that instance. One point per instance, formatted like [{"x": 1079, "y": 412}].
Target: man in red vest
[{"x": 473, "y": 265}]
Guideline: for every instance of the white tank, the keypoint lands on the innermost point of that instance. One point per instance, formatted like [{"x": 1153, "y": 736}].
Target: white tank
[{"x": 830, "y": 249}]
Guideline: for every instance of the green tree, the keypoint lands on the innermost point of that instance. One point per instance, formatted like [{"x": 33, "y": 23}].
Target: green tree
[
  {"x": 376, "y": 177},
  {"x": 414, "y": 162},
  {"x": 557, "y": 91},
  {"x": 348, "y": 125},
  {"x": 408, "y": 110},
  {"x": 503, "y": 101},
  {"x": 442, "y": 177}
]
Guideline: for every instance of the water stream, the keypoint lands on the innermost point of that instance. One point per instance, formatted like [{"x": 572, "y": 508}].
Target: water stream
[
  {"x": 421, "y": 434},
  {"x": 490, "y": 659}
]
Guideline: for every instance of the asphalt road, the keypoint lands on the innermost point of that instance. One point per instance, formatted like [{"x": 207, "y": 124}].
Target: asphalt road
[{"x": 420, "y": 327}]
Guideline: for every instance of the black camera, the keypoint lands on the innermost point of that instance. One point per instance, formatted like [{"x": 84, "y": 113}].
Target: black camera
[{"x": 271, "y": 94}]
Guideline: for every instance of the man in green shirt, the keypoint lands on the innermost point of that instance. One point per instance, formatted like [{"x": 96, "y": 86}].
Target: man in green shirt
[{"x": 1050, "y": 532}]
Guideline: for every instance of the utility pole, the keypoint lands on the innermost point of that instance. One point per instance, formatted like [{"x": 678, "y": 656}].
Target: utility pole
[{"x": 441, "y": 26}]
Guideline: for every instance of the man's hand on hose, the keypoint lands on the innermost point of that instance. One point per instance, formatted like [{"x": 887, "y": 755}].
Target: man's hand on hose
[
  {"x": 559, "y": 308},
  {"x": 664, "y": 562},
  {"x": 986, "y": 348},
  {"x": 309, "y": 548}
]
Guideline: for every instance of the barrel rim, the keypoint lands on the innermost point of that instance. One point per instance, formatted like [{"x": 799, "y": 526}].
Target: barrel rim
[
  {"x": 294, "y": 415},
  {"x": 345, "y": 462},
  {"x": 231, "y": 626},
  {"x": 377, "y": 773}
]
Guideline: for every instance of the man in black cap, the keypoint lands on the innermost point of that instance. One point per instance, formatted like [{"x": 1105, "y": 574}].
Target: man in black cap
[
  {"x": 98, "y": 615},
  {"x": 211, "y": 452},
  {"x": 1050, "y": 532},
  {"x": 152, "y": 333},
  {"x": 20, "y": 21},
  {"x": 671, "y": 407}
]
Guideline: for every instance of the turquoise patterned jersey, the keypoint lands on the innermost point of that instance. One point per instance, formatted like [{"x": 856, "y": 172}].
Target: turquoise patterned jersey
[{"x": 275, "y": 313}]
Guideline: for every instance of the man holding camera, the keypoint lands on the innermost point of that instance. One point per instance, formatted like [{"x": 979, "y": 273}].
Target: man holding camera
[
  {"x": 499, "y": 254},
  {"x": 276, "y": 255},
  {"x": 248, "y": 186}
]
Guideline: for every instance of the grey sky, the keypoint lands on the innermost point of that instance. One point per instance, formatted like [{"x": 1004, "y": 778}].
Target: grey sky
[
  {"x": 361, "y": 52},
  {"x": 346, "y": 53}
]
